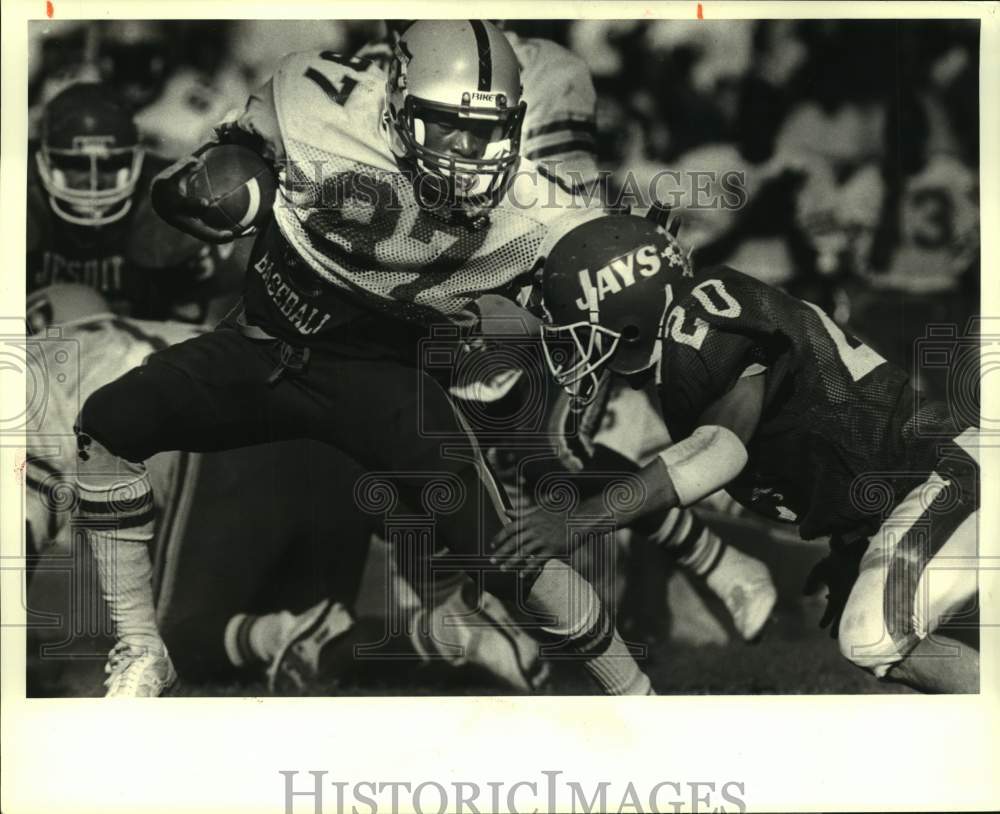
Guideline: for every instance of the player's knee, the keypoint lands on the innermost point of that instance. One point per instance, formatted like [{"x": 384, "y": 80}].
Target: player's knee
[
  {"x": 118, "y": 420},
  {"x": 865, "y": 639},
  {"x": 577, "y": 618}
]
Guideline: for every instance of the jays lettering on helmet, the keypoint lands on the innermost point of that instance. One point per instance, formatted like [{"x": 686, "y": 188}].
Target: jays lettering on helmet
[
  {"x": 606, "y": 286},
  {"x": 622, "y": 272}
]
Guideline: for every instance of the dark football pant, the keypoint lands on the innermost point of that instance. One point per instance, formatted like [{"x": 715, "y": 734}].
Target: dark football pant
[{"x": 217, "y": 391}]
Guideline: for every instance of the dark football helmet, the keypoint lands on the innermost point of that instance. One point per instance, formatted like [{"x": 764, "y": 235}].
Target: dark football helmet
[
  {"x": 465, "y": 72},
  {"x": 606, "y": 288},
  {"x": 89, "y": 159}
]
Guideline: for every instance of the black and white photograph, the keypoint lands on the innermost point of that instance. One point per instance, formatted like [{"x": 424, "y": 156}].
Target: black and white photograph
[{"x": 448, "y": 359}]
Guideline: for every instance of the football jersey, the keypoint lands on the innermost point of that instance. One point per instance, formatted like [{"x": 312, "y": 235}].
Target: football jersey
[
  {"x": 937, "y": 224},
  {"x": 352, "y": 220},
  {"x": 142, "y": 266},
  {"x": 560, "y": 126},
  {"x": 833, "y": 408}
]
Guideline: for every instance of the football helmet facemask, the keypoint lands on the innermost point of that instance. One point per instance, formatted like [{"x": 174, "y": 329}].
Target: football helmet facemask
[
  {"x": 89, "y": 159},
  {"x": 606, "y": 288},
  {"x": 460, "y": 75}
]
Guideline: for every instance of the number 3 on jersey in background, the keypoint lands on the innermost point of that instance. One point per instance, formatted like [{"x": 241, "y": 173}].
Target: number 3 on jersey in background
[{"x": 860, "y": 360}]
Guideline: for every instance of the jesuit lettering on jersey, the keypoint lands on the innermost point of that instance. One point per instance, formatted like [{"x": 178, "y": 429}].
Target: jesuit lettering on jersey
[
  {"x": 101, "y": 273},
  {"x": 620, "y": 273},
  {"x": 305, "y": 318}
]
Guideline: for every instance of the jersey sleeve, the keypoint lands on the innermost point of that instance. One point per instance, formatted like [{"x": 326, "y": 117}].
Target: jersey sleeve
[
  {"x": 696, "y": 373},
  {"x": 256, "y": 125},
  {"x": 559, "y": 128}
]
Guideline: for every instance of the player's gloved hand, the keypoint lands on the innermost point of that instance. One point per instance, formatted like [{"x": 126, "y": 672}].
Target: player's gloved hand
[
  {"x": 172, "y": 202},
  {"x": 838, "y": 571}
]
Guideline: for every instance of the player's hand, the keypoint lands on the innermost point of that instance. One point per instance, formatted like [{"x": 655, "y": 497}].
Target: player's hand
[
  {"x": 171, "y": 201},
  {"x": 530, "y": 540},
  {"x": 838, "y": 571}
]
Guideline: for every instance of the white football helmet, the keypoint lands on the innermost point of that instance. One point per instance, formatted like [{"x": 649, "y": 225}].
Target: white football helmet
[{"x": 464, "y": 71}]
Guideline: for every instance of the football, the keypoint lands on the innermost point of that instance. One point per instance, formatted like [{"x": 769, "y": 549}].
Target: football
[{"x": 239, "y": 184}]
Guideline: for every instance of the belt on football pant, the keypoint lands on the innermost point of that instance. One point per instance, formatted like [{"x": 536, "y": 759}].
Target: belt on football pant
[{"x": 293, "y": 358}]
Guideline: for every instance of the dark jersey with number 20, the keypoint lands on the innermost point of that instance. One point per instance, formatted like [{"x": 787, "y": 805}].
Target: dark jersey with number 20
[{"x": 833, "y": 409}]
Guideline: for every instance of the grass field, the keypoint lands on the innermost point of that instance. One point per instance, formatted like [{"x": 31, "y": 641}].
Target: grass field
[{"x": 697, "y": 653}]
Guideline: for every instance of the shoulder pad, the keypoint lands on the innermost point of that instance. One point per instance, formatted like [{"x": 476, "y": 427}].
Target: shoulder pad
[
  {"x": 557, "y": 85},
  {"x": 333, "y": 103}
]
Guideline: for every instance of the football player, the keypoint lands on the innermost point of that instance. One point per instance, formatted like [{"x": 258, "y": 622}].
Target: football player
[
  {"x": 558, "y": 127},
  {"x": 559, "y": 134},
  {"x": 768, "y": 398},
  {"x": 401, "y": 201},
  {"x": 90, "y": 220}
]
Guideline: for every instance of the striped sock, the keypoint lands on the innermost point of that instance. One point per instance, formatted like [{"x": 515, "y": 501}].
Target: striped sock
[
  {"x": 682, "y": 535},
  {"x": 116, "y": 518},
  {"x": 584, "y": 627},
  {"x": 251, "y": 639},
  {"x": 415, "y": 566},
  {"x": 236, "y": 640},
  {"x": 617, "y": 671}
]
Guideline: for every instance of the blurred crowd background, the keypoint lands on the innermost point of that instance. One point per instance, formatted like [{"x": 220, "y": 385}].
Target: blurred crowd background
[
  {"x": 857, "y": 145},
  {"x": 857, "y": 140}
]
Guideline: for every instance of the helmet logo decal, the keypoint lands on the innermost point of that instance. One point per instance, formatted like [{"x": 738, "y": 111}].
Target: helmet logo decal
[
  {"x": 94, "y": 145},
  {"x": 620, "y": 274},
  {"x": 498, "y": 100}
]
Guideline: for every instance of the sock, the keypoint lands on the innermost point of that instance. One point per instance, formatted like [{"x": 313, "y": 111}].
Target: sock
[
  {"x": 413, "y": 564},
  {"x": 426, "y": 627},
  {"x": 116, "y": 518},
  {"x": 251, "y": 639},
  {"x": 682, "y": 535},
  {"x": 617, "y": 671},
  {"x": 575, "y": 616}
]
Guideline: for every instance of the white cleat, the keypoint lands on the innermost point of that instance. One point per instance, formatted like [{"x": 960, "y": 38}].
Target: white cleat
[
  {"x": 745, "y": 586},
  {"x": 486, "y": 637},
  {"x": 135, "y": 672},
  {"x": 297, "y": 663}
]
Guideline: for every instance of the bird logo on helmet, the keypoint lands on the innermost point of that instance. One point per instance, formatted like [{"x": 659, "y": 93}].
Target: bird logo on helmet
[
  {"x": 463, "y": 72},
  {"x": 606, "y": 288},
  {"x": 89, "y": 159}
]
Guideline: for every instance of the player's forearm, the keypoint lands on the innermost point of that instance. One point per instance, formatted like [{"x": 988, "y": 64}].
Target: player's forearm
[
  {"x": 681, "y": 475},
  {"x": 632, "y": 496}
]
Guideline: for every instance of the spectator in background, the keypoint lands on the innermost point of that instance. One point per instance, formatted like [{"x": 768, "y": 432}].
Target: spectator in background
[{"x": 922, "y": 265}]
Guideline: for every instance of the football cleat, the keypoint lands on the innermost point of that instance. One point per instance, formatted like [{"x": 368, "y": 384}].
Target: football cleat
[
  {"x": 484, "y": 636},
  {"x": 745, "y": 586},
  {"x": 297, "y": 663},
  {"x": 138, "y": 673}
]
